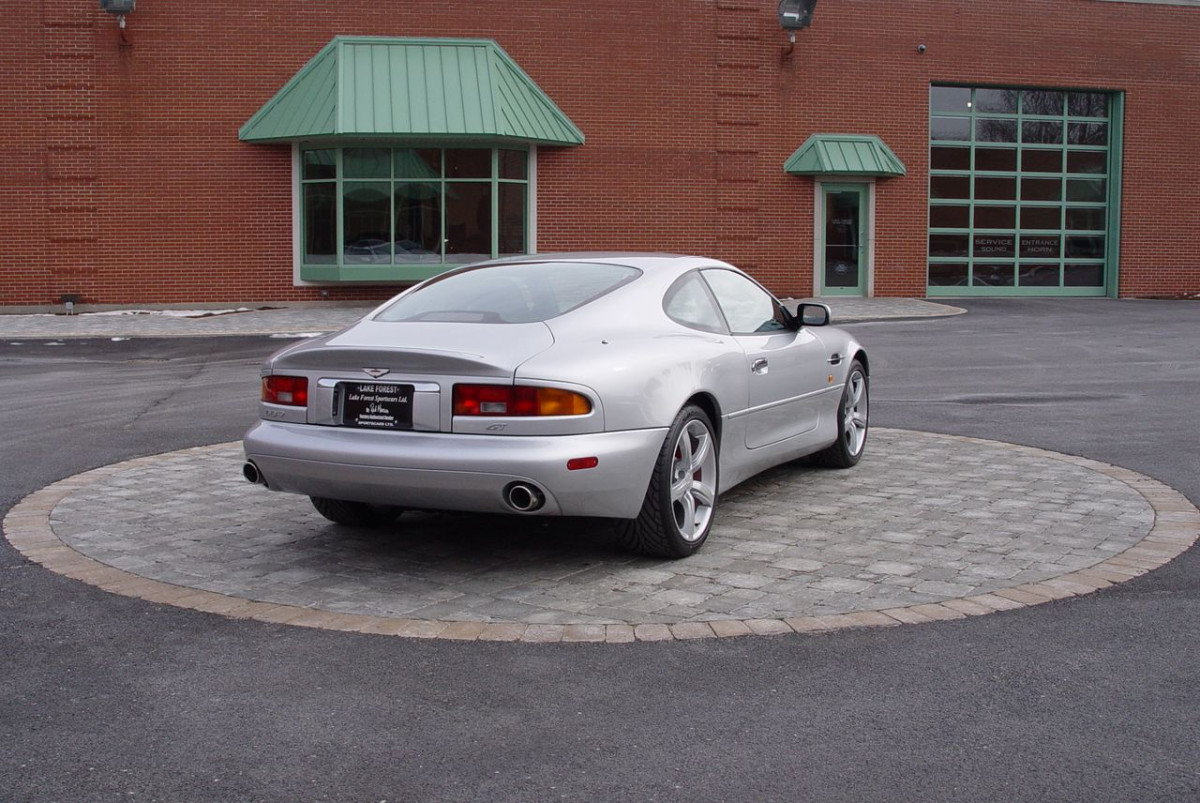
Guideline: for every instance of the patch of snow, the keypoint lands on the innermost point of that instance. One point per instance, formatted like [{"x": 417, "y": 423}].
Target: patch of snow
[
  {"x": 171, "y": 313},
  {"x": 118, "y": 339},
  {"x": 297, "y": 335}
]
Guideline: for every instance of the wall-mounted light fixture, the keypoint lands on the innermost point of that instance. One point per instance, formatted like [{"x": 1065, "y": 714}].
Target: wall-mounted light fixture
[
  {"x": 793, "y": 16},
  {"x": 119, "y": 8}
]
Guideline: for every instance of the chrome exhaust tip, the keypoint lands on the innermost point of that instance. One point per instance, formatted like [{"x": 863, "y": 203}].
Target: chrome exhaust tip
[
  {"x": 252, "y": 474},
  {"x": 523, "y": 497}
]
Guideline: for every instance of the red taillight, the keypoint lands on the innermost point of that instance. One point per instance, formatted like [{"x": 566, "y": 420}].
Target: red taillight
[
  {"x": 518, "y": 400},
  {"x": 288, "y": 390}
]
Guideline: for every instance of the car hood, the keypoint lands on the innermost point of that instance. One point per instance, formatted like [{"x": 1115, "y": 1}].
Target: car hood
[{"x": 476, "y": 349}]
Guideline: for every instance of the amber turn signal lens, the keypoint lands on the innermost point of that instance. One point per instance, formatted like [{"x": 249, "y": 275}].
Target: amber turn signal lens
[
  {"x": 518, "y": 400},
  {"x": 291, "y": 391}
]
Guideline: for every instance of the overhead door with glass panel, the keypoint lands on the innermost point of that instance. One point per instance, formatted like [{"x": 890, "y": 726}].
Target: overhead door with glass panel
[{"x": 1021, "y": 192}]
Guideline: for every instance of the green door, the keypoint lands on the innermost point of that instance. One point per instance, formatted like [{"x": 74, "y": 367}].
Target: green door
[{"x": 844, "y": 261}]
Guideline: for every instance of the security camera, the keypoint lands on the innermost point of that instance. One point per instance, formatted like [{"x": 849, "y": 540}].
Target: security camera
[{"x": 921, "y": 48}]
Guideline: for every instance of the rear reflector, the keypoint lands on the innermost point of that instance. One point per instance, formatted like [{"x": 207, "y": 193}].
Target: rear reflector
[
  {"x": 288, "y": 390},
  {"x": 578, "y": 463},
  {"x": 518, "y": 400}
]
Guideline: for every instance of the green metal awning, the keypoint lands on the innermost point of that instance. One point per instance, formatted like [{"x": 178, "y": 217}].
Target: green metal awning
[
  {"x": 382, "y": 87},
  {"x": 844, "y": 155}
]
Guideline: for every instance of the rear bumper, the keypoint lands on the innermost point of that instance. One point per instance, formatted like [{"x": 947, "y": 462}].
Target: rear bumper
[{"x": 441, "y": 471}]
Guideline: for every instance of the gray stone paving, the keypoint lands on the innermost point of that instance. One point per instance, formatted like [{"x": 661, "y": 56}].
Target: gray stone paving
[
  {"x": 308, "y": 319},
  {"x": 924, "y": 518}
]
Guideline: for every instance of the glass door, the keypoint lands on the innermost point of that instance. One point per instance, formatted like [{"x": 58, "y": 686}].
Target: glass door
[{"x": 844, "y": 261}]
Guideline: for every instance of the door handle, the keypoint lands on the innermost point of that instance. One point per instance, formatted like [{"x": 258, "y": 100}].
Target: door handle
[
  {"x": 759, "y": 366},
  {"x": 835, "y": 359}
]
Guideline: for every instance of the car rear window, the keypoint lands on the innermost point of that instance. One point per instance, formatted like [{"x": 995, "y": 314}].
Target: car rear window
[{"x": 525, "y": 292}]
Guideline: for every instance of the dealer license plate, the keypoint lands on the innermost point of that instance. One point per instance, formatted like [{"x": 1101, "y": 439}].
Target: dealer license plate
[{"x": 376, "y": 405}]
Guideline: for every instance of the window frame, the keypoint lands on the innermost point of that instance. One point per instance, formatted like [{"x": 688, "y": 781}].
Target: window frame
[{"x": 340, "y": 271}]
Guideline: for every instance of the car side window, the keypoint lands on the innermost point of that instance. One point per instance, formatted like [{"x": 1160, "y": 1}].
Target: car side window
[
  {"x": 688, "y": 302},
  {"x": 748, "y": 308}
]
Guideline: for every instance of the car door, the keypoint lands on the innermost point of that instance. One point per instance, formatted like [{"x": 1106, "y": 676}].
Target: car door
[{"x": 786, "y": 367}]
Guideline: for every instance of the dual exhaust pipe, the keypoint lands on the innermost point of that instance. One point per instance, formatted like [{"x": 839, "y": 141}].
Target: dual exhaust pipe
[{"x": 252, "y": 474}]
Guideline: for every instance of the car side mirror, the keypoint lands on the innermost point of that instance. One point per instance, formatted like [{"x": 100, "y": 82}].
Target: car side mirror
[{"x": 810, "y": 314}]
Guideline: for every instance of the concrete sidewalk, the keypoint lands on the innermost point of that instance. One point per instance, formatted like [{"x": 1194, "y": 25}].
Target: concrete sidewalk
[{"x": 318, "y": 318}]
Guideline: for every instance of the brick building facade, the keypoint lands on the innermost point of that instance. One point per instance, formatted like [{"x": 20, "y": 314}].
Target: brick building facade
[{"x": 125, "y": 180}]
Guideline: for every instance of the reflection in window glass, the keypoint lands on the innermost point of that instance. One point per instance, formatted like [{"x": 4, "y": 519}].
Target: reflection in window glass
[
  {"x": 1041, "y": 217},
  {"x": 418, "y": 163},
  {"x": 1045, "y": 132},
  {"x": 947, "y": 245},
  {"x": 950, "y": 187},
  {"x": 468, "y": 221},
  {"x": 995, "y": 217},
  {"x": 320, "y": 164},
  {"x": 1039, "y": 275},
  {"x": 949, "y": 99},
  {"x": 1083, "y": 275},
  {"x": 996, "y": 100},
  {"x": 367, "y": 163},
  {"x": 994, "y": 160},
  {"x": 418, "y": 222},
  {"x": 1085, "y": 217},
  {"x": 950, "y": 128},
  {"x": 748, "y": 308},
  {"x": 1085, "y": 189},
  {"x": 320, "y": 223},
  {"x": 1087, "y": 104},
  {"x": 990, "y": 129},
  {"x": 995, "y": 189},
  {"x": 688, "y": 303},
  {"x": 1039, "y": 102},
  {"x": 1088, "y": 246},
  {"x": 512, "y": 219},
  {"x": 949, "y": 217},
  {"x": 1087, "y": 161},
  {"x": 514, "y": 164},
  {"x": 1036, "y": 160},
  {"x": 1087, "y": 133},
  {"x": 993, "y": 246},
  {"x": 948, "y": 275},
  {"x": 943, "y": 158},
  {"x": 366, "y": 222},
  {"x": 988, "y": 275}
]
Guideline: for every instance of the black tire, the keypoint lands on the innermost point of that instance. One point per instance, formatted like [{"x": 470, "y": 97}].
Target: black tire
[
  {"x": 852, "y": 422},
  {"x": 355, "y": 514},
  {"x": 676, "y": 516}
]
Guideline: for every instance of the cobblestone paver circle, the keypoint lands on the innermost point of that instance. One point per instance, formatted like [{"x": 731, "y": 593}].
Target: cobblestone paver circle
[{"x": 925, "y": 527}]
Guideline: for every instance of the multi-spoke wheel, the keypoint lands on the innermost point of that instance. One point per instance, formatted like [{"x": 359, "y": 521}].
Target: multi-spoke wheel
[
  {"x": 853, "y": 415},
  {"x": 677, "y": 513},
  {"x": 355, "y": 514}
]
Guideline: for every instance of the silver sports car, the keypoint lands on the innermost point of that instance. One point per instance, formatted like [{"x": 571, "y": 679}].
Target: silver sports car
[{"x": 631, "y": 386}]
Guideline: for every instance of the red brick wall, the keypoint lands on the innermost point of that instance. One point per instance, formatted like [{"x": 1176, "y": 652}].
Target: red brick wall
[{"x": 123, "y": 179}]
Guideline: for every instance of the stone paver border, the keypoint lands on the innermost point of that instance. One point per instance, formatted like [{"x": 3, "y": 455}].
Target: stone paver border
[{"x": 1176, "y": 527}]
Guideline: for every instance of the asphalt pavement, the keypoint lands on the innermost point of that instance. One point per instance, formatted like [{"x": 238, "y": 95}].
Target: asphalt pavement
[{"x": 1093, "y": 698}]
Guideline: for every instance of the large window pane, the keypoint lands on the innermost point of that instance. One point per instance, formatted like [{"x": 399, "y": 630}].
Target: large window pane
[
  {"x": 947, "y": 245},
  {"x": 366, "y": 222},
  {"x": 952, "y": 128},
  {"x": 1041, "y": 246},
  {"x": 1083, "y": 275},
  {"x": 1091, "y": 246},
  {"x": 1040, "y": 102},
  {"x": 1087, "y": 104},
  {"x": 1047, "y": 275},
  {"x": 1041, "y": 217},
  {"x": 1041, "y": 161},
  {"x": 468, "y": 163},
  {"x": 948, "y": 275},
  {"x": 945, "y": 158},
  {"x": 996, "y": 160},
  {"x": 995, "y": 189},
  {"x": 1087, "y": 161},
  {"x": 988, "y": 129},
  {"x": 512, "y": 219},
  {"x": 418, "y": 222},
  {"x": 514, "y": 164},
  {"x": 995, "y": 217},
  {"x": 950, "y": 187},
  {"x": 950, "y": 99},
  {"x": 1087, "y": 133},
  {"x": 993, "y": 246},
  {"x": 320, "y": 164},
  {"x": 418, "y": 163},
  {"x": 949, "y": 217},
  {"x": 1044, "y": 132},
  {"x": 1085, "y": 189},
  {"x": 468, "y": 221},
  {"x": 988, "y": 275},
  {"x": 1041, "y": 189},
  {"x": 996, "y": 100},
  {"x": 1088, "y": 218},
  {"x": 320, "y": 223},
  {"x": 367, "y": 163}
]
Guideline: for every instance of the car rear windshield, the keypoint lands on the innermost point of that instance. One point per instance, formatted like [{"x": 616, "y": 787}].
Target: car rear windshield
[{"x": 525, "y": 292}]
